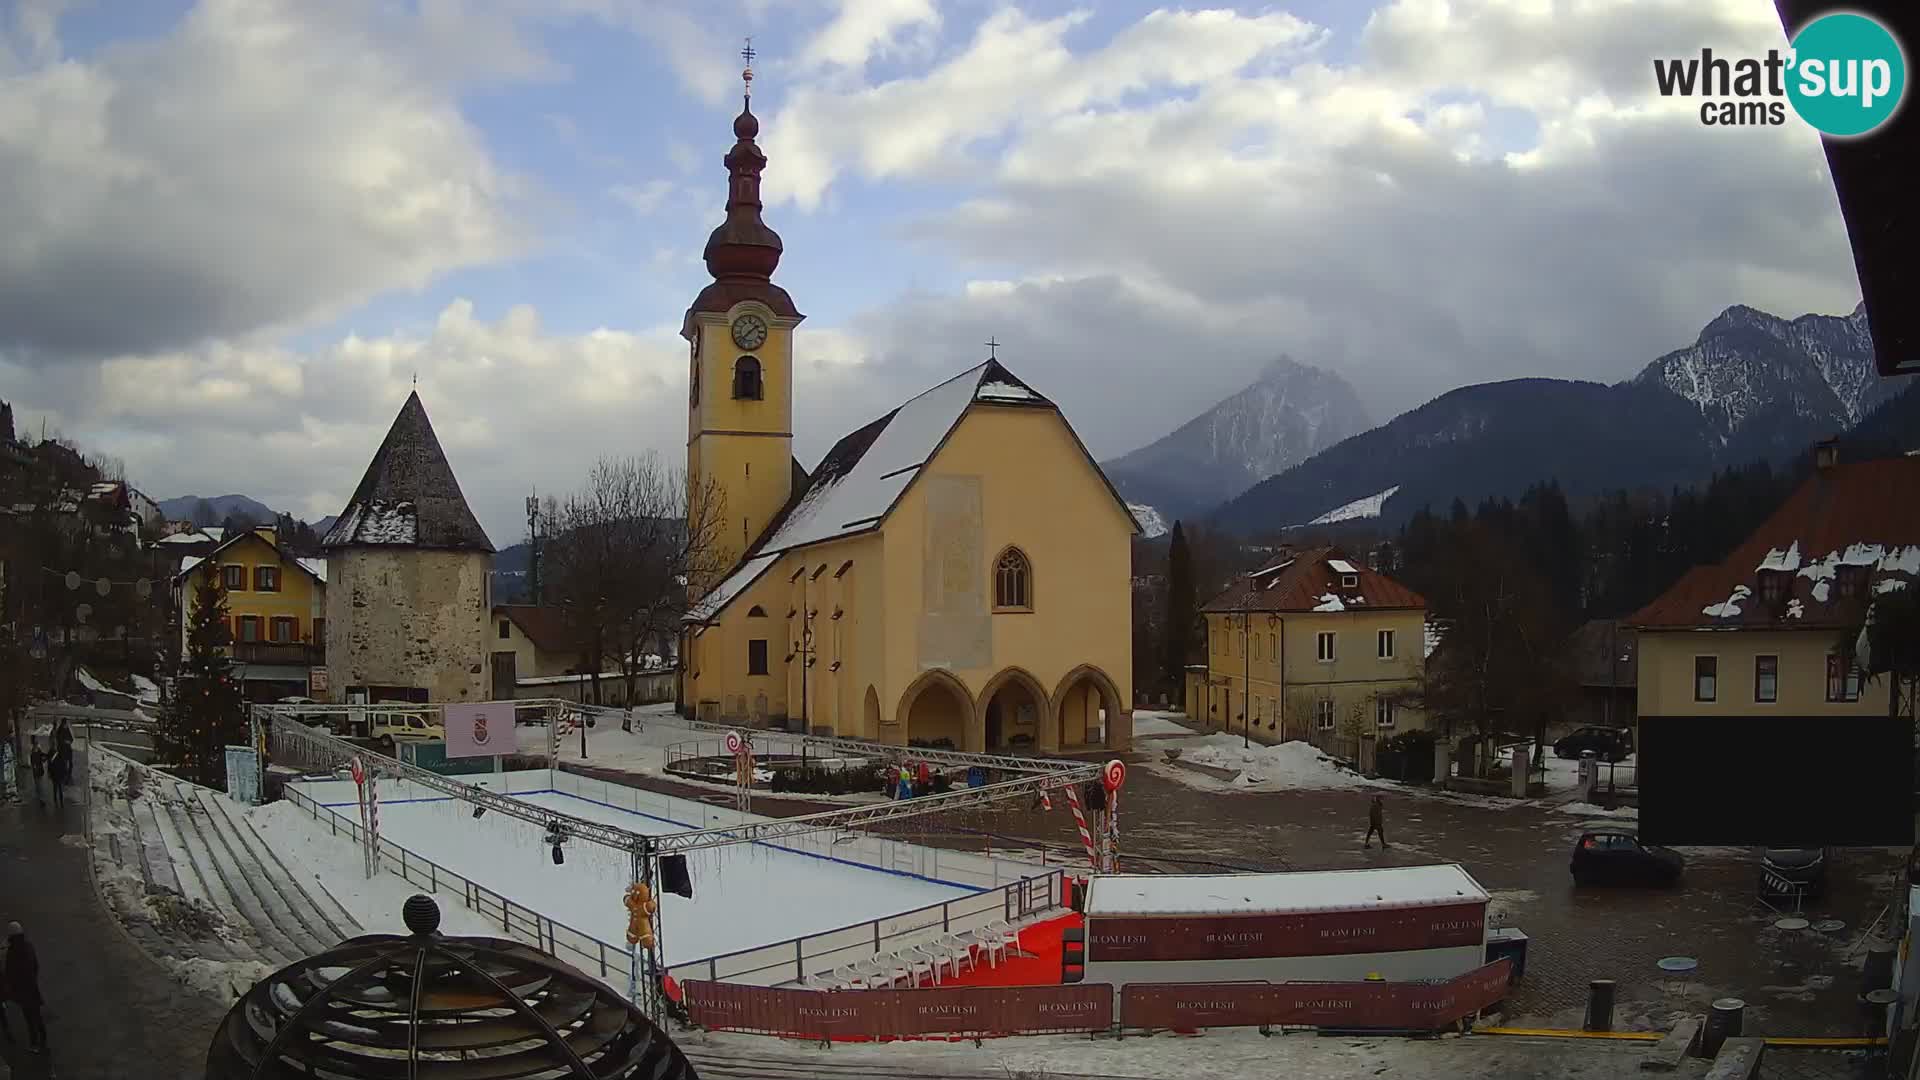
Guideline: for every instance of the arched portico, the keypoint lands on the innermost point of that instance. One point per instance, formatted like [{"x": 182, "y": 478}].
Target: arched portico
[
  {"x": 1087, "y": 699},
  {"x": 1012, "y": 713},
  {"x": 937, "y": 706}
]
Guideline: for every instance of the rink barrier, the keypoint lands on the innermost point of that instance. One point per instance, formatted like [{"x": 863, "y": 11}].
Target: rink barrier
[
  {"x": 1033, "y": 1010},
  {"x": 516, "y": 921},
  {"x": 1005, "y": 890}
]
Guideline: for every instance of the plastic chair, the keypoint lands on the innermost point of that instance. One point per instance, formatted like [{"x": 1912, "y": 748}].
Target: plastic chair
[
  {"x": 918, "y": 963},
  {"x": 1008, "y": 933},
  {"x": 958, "y": 951},
  {"x": 850, "y": 977},
  {"x": 989, "y": 942},
  {"x": 875, "y": 972}
]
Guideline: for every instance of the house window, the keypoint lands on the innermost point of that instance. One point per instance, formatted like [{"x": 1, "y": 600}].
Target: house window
[
  {"x": 234, "y": 578},
  {"x": 1383, "y": 712},
  {"x": 1850, "y": 581},
  {"x": 1349, "y": 581},
  {"x": 1766, "y": 678},
  {"x": 1273, "y": 646},
  {"x": 757, "y": 656},
  {"x": 249, "y": 627},
  {"x": 1256, "y": 646},
  {"x": 1843, "y": 678},
  {"x": 282, "y": 630},
  {"x": 1013, "y": 580},
  {"x": 1323, "y": 714},
  {"x": 1386, "y": 644},
  {"x": 1705, "y": 672},
  {"x": 505, "y": 633},
  {"x": 1323, "y": 643},
  {"x": 756, "y": 612},
  {"x": 1773, "y": 588},
  {"x": 266, "y": 579},
  {"x": 746, "y": 379}
]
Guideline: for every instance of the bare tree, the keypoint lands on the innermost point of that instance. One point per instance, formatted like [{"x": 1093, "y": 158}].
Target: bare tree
[{"x": 620, "y": 556}]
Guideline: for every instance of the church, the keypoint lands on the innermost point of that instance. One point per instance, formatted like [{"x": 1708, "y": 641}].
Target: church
[{"x": 956, "y": 573}]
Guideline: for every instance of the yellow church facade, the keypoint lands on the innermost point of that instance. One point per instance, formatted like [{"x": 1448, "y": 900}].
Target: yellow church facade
[{"x": 955, "y": 573}]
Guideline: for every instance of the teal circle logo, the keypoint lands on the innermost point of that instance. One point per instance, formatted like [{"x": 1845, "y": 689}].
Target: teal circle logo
[{"x": 1847, "y": 74}]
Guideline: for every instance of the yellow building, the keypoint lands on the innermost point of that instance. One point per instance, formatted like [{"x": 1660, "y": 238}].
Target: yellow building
[
  {"x": 956, "y": 572},
  {"x": 1782, "y": 602},
  {"x": 1314, "y": 647},
  {"x": 276, "y": 610}
]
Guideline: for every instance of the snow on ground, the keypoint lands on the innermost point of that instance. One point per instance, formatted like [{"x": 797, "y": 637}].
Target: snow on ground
[
  {"x": 1368, "y": 507},
  {"x": 224, "y": 979},
  {"x": 1156, "y": 722},
  {"x": 745, "y": 895},
  {"x": 333, "y": 862},
  {"x": 1290, "y": 766},
  {"x": 1589, "y": 810}
]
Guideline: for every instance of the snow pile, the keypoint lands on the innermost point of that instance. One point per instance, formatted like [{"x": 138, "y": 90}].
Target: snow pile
[
  {"x": 1795, "y": 608},
  {"x": 1887, "y": 585},
  {"x": 1329, "y": 602},
  {"x": 224, "y": 979},
  {"x": 1368, "y": 507},
  {"x": 88, "y": 680},
  {"x": 1149, "y": 519},
  {"x": 1729, "y": 607},
  {"x": 1290, "y": 765},
  {"x": 145, "y": 689},
  {"x": 1589, "y": 810}
]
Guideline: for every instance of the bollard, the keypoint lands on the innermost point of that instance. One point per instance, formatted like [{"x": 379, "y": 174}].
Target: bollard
[
  {"x": 1600, "y": 1005},
  {"x": 1876, "y": 972},
  {"x": 1878, "y": 1004},
  {"x": 1723, "y": 1023}
]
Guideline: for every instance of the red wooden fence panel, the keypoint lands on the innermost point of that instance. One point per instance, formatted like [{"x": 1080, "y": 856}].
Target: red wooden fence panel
[
  {"x": 1393, "y": 1006},
  {"x": 1320, "y": 933},
  {"x": 959, "y": 1010}
]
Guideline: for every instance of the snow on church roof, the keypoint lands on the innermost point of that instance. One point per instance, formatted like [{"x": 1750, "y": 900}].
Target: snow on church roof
[
  {"x": 859, "y": 479},
  {"x": 734, "y": 584}
]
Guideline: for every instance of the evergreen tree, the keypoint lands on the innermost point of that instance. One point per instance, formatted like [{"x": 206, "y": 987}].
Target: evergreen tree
[
  {"x": 1181, "y": 613},
  {"x": 205, "y": 714},
  {"x": 1891, "y": 636}
]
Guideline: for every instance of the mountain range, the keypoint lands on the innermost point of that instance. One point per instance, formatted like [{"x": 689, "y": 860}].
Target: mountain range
[
  {"x": 1752, "y": 386},
  {"x": 221, "y": 507},
  {"x": 1287, "y": 415}
]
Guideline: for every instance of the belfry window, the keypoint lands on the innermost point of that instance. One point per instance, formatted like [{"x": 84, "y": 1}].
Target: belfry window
[{"x": 746, "y": 379}]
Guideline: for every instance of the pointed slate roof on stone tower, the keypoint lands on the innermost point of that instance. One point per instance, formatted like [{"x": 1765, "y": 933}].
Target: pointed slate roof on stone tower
[{"x": 408, "y": 497}]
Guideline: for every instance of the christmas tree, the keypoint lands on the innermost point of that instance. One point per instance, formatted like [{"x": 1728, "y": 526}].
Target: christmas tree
[{"x": 205, "y": 714}]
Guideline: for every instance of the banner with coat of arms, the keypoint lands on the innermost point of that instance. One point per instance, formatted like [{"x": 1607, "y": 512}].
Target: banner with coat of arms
[{"x": 480, "y": 730}]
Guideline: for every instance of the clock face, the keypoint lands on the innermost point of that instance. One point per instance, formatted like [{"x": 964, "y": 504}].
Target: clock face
[{"x": 749, "y": 331}]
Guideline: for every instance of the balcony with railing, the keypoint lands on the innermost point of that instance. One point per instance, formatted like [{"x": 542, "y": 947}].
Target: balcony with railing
[{"x": 298, "y": 653}]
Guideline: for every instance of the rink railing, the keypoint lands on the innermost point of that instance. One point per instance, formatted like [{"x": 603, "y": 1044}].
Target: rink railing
[
  {"x": 517, "y": 921},
  {"x": 1005, "y": 889}
]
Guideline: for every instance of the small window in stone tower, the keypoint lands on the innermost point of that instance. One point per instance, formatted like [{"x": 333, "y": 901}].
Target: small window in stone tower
[
  {"x": 1013, "y": 581},
  {"x": 746, "y": 378}
]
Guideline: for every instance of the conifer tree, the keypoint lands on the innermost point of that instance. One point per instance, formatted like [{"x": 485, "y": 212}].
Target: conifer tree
[
  {"x": 1180, "y": 612},
  {"x": 206, "y": 713}
]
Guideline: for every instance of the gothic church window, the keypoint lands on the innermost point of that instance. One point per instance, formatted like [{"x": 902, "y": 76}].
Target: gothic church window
[
  {"x": 1013, "y": 581},
  {"x": 746, "y": 379}
]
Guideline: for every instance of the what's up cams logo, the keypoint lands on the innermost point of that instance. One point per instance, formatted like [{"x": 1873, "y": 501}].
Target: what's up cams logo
[{"x": 1844, "y": 74}]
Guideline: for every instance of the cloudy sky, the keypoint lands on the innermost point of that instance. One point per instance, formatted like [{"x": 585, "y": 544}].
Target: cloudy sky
[{"x": 235, "y": 230}]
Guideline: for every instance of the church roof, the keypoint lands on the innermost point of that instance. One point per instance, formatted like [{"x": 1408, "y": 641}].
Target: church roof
[
  {"x": 864, "y": 476},
  {"x": 408, "y": 497}
]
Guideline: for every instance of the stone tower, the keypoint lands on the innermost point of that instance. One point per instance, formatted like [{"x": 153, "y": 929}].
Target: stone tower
[{"x": 407, "y": 566}]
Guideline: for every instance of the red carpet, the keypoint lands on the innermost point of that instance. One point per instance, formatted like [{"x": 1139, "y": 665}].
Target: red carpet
[{"x": 1039, "y": 966}]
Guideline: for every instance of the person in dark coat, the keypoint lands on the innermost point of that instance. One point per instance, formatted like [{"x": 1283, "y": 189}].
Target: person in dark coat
[
  {"x": 58, "y": 767},
  {"x": 22, "y": 978},
  {"x": 1376, "y": 823},
  {"x": 63, "y": 737},
  {"x": 39, "y": 772}
]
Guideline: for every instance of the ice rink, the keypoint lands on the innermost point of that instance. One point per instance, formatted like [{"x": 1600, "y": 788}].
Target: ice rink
[{"x": 744, "y": 896}]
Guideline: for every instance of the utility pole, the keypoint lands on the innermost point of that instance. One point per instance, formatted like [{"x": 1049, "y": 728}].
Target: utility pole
[{"x": 533, "y": 546}]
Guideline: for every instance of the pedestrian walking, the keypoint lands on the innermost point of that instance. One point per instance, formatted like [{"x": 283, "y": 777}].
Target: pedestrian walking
[
  {"x": 39, "y": 771},
  {"x": 63, "y": 737},
  {"x": 1376, "y": 823},
  {"x": 22, "y": 979},
  {"x": 59, "y": 769}
]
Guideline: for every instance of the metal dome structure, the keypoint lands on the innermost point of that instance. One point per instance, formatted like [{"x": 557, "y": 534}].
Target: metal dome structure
[{"x": 426, "y": 1006}]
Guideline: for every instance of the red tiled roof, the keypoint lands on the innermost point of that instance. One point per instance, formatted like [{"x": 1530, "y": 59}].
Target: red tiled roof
[
  {"x": 546, "y": 627},
  {"x": 1304, "y": 581},
  {"x": 1865, "y": 514}
]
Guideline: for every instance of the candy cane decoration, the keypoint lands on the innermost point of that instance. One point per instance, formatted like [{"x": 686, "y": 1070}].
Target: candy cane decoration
[
  {"x": 1112, "y": 776},
  {"x": 1080, "y": 820}
]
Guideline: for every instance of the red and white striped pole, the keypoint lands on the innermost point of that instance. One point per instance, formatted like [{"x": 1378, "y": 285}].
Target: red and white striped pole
[
  {"x": 1112, "y": 777},
  {"x": 1080, "y": 821}
]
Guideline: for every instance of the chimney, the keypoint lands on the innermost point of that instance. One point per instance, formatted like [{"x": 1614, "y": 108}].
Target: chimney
[{"x": 1826, "y": 454}]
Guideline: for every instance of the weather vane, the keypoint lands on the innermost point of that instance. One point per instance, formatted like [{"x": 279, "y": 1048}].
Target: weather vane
[{"x": 746, "y": 75}]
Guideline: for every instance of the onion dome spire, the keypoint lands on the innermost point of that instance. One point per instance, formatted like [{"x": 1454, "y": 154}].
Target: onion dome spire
[{"x": 743, "y": 247}]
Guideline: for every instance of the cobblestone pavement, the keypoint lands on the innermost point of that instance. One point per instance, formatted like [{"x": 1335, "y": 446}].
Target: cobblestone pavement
[
  {"x": 111, "y": 1012},
  {"x": 1795, "y": 984}
]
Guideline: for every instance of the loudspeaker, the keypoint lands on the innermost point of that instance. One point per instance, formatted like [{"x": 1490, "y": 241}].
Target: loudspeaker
[
  {"x": 1096, "y": 795},
  {"x": 673, "y": 876}
]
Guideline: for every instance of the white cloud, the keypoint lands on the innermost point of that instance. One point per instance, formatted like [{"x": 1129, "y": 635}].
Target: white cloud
[
  {"x": 252, "y": 169},
  {"x": 863, "y": 28},
  {"x": 643, "y": 198}
]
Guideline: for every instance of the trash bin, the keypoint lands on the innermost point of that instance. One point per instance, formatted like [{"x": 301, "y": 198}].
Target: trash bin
[
  {"x": 1509, "y": 942},
  {"x": 1876, "y": 972},
  {"x": 1723, "y": 1023}
]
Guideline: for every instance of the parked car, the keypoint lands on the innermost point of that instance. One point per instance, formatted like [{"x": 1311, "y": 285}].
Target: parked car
[
  {"x": 1790, "y": 873},
  {"x": 387, "y": 729},
  {"x": 1607, "y": 744},
  {"x": 1614, "y": 855}
]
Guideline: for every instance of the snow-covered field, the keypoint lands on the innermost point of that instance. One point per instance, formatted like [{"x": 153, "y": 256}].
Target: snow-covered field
[
  {"x": 1290, "y": 766},
  {"x": 745, "y": 895}
]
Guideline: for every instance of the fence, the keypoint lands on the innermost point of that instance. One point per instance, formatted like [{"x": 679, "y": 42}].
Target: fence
[
  {"x": 582, "y": 950},
  {"x": 1032, "y": 1010},
  {"x": 765, "y": 744}
]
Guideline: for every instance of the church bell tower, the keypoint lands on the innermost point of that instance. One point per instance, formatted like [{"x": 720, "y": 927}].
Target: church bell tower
[{"x": 739, "y": 332}]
